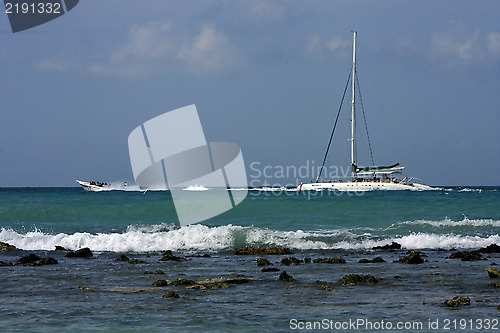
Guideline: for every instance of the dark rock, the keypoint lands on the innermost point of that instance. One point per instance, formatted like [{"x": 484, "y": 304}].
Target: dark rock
[
  {"x": 34, "y": 260},
  {"x": 181, "y": 282},
  {"x": 373, "y": 261},
  {"x": 81, "y": 253},
  {"x": 250, "y": 250},
  {"x": 122, "y": 258},
  {"x": 413, "y": 258},
  {"x": 60, "y": 248},
  {"x": 466, "y": 255},
  {"x": 291, "y": 261},
  {"x": 285, "y": 277},
  {"x": 495, "y": 285},
  {"x": 263, "y": 262},
  {"x": 7, "y": 246},
  {"x": 47, "y": 261},
  {"x": 3, "y": 264},
  {"x": 171, "y": 294},
  {"x": 307, "y": 260},
  {"x": 204, "y": 285},
  {"x": 493, "y": 248},
  {"x": 325, "y": 287},
  {"x": 354, "y": 279},
  {"x": 393, "y": 246},
  {"x": 136, "y": 261},
  {"x": 270, "y": 269},
  {"x": 159, "y": 272},
  {"x": 160, "y": 283},
  {"x": 493, "y": 272},
  {"x": 334, "y": 260},
  {"x": 29, "y": 259},
  {"x": 457, "y": 301},
  {"x": 168, "y": 256}
]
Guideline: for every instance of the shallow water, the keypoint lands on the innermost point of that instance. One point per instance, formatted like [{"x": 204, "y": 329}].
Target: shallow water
[{"x": 101, "y": 294}]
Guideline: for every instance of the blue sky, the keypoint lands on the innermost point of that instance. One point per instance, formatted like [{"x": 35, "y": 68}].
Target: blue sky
[{"x": 267, "y": 75}]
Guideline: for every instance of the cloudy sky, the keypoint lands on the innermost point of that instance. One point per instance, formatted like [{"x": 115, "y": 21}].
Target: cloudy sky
[{"x": 267, "y": 75}]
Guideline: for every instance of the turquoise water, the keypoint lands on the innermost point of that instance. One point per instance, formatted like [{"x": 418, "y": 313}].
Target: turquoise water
[{"x": 101, "y": 294}]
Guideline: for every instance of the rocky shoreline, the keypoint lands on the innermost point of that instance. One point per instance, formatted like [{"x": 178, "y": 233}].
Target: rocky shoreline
[{"x": 380, "y": 268}]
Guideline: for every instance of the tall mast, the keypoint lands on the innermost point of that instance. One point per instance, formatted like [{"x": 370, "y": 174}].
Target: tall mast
[{"x": 353, "y": 170}]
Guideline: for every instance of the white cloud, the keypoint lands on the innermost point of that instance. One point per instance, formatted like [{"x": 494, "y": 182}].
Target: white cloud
[
  {"x": 462, "y": 46},
  {"x": 319, "y": 47},
  {"x": 158, "y": 48}
]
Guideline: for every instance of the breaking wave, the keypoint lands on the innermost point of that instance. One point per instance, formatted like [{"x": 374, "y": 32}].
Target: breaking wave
[{"x": 159, "y": 237}]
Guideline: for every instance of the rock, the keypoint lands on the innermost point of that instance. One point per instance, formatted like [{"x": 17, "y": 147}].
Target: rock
[
  {"x": 373, "y": 261},
  {"x": 334, "y": 260},
  {"x": 3, "y": 264},
  {"x": 47, "y": 261},
  {"x": 136, "y": 261},
  {"x": 325, "y": 287},
  {"x": 7, "y": 246},
  {"x": 307, "y": 260},
  {"x": 34, "y": 260},
  {"x": 263, "y": 262},
  {"x": 493, "y": 272},
  {"x": 171, "y": 294},
  {"x": 495, "y": 285},
  {"x": 270, "y": 269},
  {"x": 60, "y": 248},
  {"x": 466, "y": 255},
  {"x": 413, "y": 258},
  {"x": 81, "y": 253},
  {"x": 493, "y": 248},
  {"x": 393, "y": 246},
  {"x": 85, "y": 288},
  {"x": 354, "y": 279},
  {"x": 160, "y": 283},
  {"x": 291, "y": 261},
  {"x": 29, "y": 259},
  {"x": 250, "y": 250},
  {"x": 285, "y": 277},
  {"x": 208, "y": 285},
  {"x": 168, "y": 256},
  {"x": 457, "y": 301},
  {"x": 181, "y": 282},
  {"x": 122, "y": 258}
]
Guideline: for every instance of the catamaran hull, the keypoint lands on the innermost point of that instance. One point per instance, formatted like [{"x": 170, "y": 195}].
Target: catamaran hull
[{"x": 363, "y": 186}]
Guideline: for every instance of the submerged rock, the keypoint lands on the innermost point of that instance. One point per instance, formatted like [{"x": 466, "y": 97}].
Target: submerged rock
[
  {"x": 168, "y": 256},
  {"x": 250, "y": 250},
  {"x": 334, "y": 260},
  {"x": 493, "y": 248},
  {"x": 291, "y": 261},
  {"x": 285, "y": 277},
  {"x": 493, "y": 272},
  {"x": 171, "y": 294},
  {"x": 270, "y": 269},
  {"x": 3, "y": 264},
  {"x": 160, "y": 283},
  {"x": 354, "y": 279},
  {"x": 263, "y": 262},
  {"x": 7, "y": 246},
  {"x": 466, "y": 255},
  {"x": 372, "y": 261},
  {"x": 413, "y": 258},
  {"x": 34, "y": 260},
  {"x": 457, "y": 301},
  {"x": 181, "y": 282},
  {"x": 393, "y": 246},
  {"x": 81, "y": 253}
]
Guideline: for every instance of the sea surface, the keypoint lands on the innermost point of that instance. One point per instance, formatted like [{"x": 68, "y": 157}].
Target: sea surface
[{"x": 100, "y": 294}]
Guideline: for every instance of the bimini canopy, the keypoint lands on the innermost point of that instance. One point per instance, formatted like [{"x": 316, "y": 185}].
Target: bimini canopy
[{"x": 370, "y": 170}]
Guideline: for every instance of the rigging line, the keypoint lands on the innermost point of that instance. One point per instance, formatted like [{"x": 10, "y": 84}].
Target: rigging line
[
  {"x": 366, "y": 125},
  {"x": 334, "y": 126}
]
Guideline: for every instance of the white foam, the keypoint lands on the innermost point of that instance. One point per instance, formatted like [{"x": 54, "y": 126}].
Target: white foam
[{"x": 149, "y": 238}]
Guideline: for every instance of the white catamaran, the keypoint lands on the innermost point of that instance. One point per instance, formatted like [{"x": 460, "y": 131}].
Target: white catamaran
[{"x": 362, "y": 178}]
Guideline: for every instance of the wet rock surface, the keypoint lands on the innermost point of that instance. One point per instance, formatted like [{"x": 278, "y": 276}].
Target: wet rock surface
[
  {"x": 457, "y": 301},
  {"x": 81, "y": 253}
]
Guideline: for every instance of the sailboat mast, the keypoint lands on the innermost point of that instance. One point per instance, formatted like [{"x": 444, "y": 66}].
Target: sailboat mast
[{"x": 353, "y": 124}]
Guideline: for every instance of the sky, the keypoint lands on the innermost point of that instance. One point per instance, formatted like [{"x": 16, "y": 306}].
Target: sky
[{"x": 266, "y": 75}]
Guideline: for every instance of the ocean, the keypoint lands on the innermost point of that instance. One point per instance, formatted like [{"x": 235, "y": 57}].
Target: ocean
[{"x": 102, "y": 294}]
